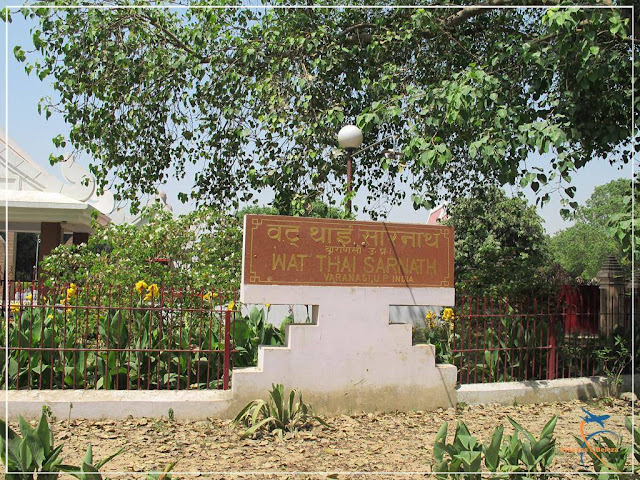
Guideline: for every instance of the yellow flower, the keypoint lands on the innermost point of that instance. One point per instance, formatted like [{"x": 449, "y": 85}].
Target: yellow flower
[
  {"x": 71, "y": 291},
  {"x": 428, "y": 319},
  {"x": 231, "y": 305},
  {"x": 448, "y": 315},
  {"x": 268, "y": 305},
  {"x": 210, "y": 295},
  {"x": 140, "y": 286},
  {"x": 15, "y": 308},
  {"x": 29, "y": 297},
  {"x": 49, "y": 317},
  {"x": 153, "y": 290}
]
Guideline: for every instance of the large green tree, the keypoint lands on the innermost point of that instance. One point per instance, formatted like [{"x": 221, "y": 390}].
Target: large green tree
[
  {"x": 254, "y": 97},
  {"x": 583, "y": 247},
  {"x": 500, "y": 245}
]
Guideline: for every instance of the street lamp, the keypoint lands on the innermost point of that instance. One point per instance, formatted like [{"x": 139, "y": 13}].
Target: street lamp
[{"x": 349, "y": 138}]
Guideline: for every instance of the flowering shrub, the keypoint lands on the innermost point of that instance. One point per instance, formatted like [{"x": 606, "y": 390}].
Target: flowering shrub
[
  {"x": 202, "y": 249},
  {"x": 439, "y": 330}
]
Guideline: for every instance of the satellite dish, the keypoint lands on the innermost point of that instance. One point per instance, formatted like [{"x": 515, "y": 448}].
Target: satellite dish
[
  {"x": 76, "y": 175},
  {"x": 105, "y": 203}
]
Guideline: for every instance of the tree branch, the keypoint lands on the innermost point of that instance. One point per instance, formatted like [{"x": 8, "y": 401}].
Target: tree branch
[
  {"x": 173, "y": 39},
  {"x": 356, "y": 27},
  {"x": 465, "y": 14}
]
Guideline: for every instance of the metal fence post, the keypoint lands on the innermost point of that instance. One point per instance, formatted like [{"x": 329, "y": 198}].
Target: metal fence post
[
  {"x": 551, "y": 356},
  {"x": 227, "y": 350}
]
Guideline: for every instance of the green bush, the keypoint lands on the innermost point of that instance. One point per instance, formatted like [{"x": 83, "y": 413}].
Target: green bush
[
  {"x": 203, "y": 248},
  {"x": 177, "y": 346},
  {"x": 614, "y": 359},
  {"x": 500, "y": 246},
  {"x": 439, "y": 331}
]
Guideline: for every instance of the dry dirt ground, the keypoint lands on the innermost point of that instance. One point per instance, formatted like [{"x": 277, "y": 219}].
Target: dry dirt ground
[{"x": 373, "y": 443}]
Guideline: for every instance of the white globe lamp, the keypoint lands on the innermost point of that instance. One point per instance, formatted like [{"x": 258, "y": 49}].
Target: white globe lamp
[{"x": 350, "y": 137}]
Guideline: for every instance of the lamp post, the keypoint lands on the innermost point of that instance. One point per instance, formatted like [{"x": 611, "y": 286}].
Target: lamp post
[{"x": 349, "y": 137}]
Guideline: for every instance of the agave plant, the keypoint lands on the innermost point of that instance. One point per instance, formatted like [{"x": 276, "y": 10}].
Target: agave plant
[
  {"x": 611, "y": 461},
  {"x": 87, "y": 470},
  {"x": 463, "y": 457},
  {"x": 34, "y": 457},
  {"x": 33, "y": 454},
  {"x": 534, "y": 455},
  {"x": 276, "y": 415}
]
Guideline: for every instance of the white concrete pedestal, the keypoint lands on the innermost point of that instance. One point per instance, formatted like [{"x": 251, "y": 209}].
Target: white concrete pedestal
[{"x": 352, "y": 359}]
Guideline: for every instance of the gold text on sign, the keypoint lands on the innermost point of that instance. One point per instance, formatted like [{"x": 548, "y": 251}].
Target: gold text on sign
[{"x": 310, "y": 251}]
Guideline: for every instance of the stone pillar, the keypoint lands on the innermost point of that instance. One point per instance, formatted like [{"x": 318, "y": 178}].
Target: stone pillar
[
  {"x": 50, "y": 238},
  {"x": 12, "y": 243},
  {"x": 80, "y": 237},
  {"x": 612, "y": 284}
]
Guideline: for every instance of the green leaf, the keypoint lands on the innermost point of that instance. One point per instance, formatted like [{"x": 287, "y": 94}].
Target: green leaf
[
  {"x": 25, "y": 456},
  {"x": 547, "y": 430},
  {"x": 492, "y": 451},
  {"x": 439, "y": 443},
  {"x": 45, "y": 435},
  {"x": 25, "y": 428},
  {"x": 36, "y": 448}
]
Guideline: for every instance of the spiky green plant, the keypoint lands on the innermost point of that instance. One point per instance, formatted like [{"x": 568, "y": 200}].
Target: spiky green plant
[
  {"x": 34, "y": 457},
  {"x": 463, "y": 455},
  {"x": 276, "y": 415}
]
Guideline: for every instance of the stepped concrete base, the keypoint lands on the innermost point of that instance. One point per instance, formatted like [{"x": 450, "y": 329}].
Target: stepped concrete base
[{"x": 352, "y": 359}]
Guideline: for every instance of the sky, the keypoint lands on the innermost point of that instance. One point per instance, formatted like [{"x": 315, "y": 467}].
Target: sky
[{"x": 33, "y": 133}]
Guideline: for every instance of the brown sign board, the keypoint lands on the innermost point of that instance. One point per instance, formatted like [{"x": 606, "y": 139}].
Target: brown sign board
[{"x": 312, "y": 251}]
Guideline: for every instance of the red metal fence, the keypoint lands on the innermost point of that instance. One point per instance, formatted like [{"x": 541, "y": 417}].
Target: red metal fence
[
  {"x": 145, "y": 337},
  {"x": 505, "y": 340},
  {"x": 501, "y": 340},
  {"x": 91, "y": 336}
]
